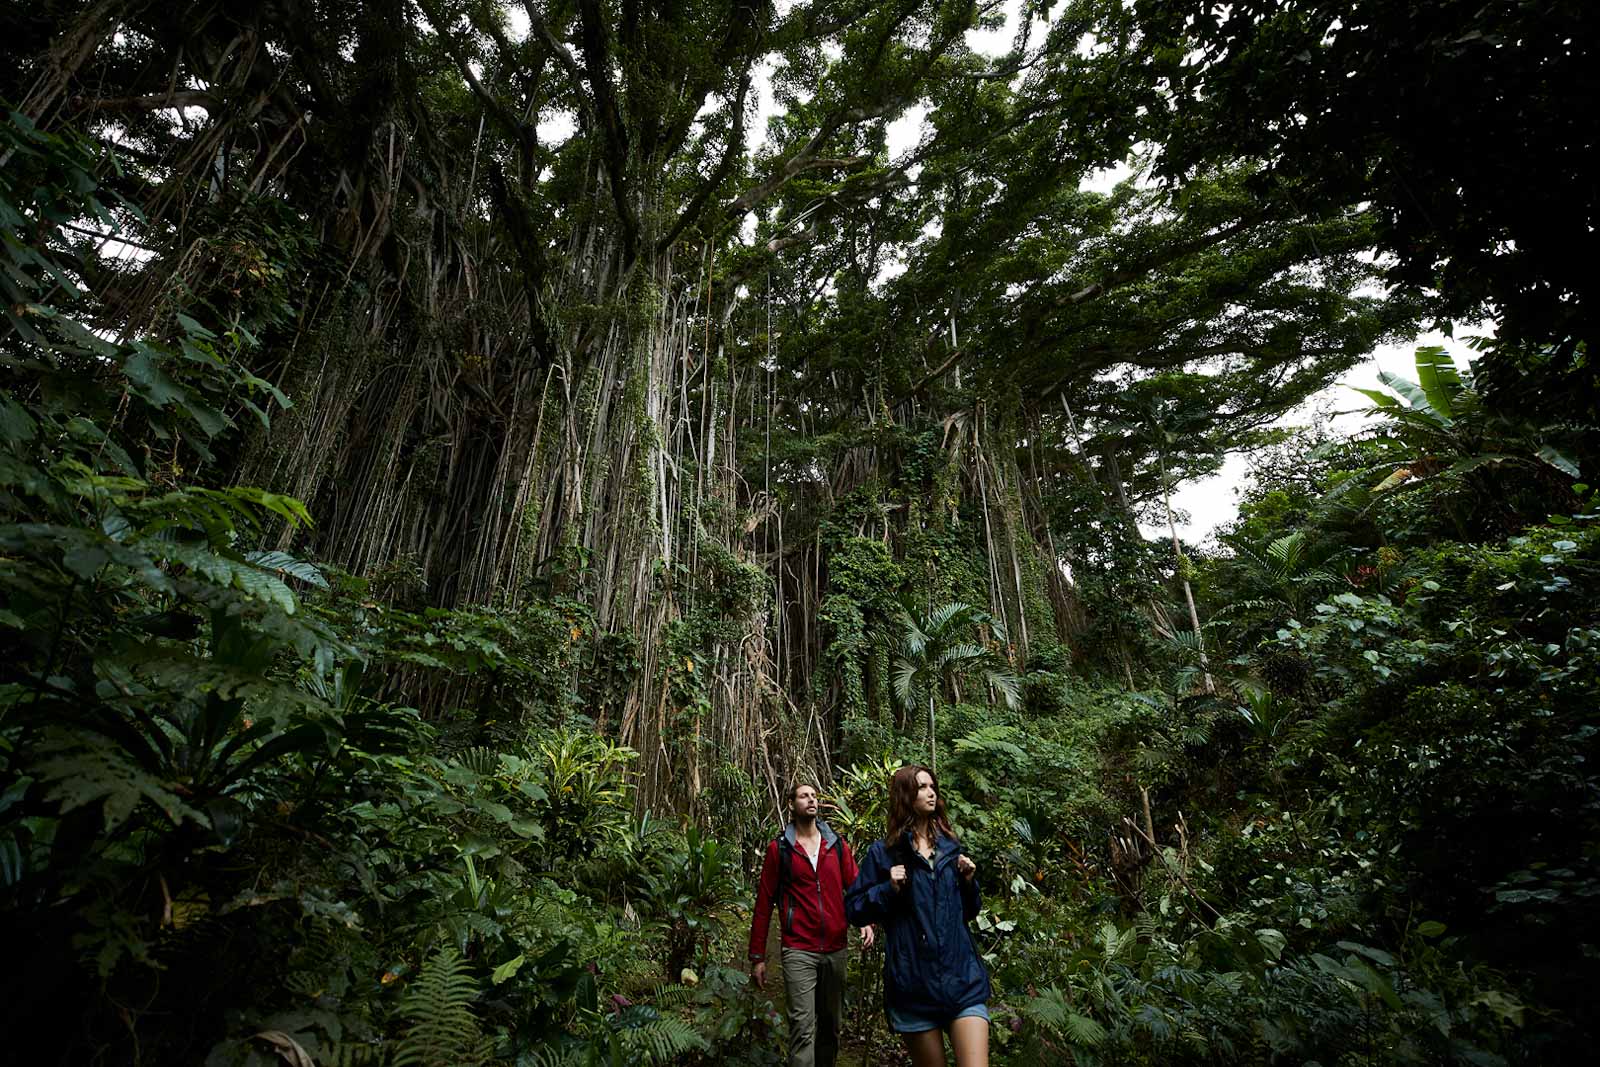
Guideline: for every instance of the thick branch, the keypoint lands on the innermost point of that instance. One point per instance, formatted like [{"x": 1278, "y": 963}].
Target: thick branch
[
  {"x": 563, "y": 56},
  {"x": 513, "y": 126},
  {"x": 708, "y": 188},
  {"x": 805, "y": 158},
  {"x": 596, "y": 57},
  {"x": 1169, "y": 253},
  {"x": 155, "y": 102}
]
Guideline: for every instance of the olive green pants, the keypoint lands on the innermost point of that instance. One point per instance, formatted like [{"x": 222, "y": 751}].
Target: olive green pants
[{"x": 814, "y": 983}]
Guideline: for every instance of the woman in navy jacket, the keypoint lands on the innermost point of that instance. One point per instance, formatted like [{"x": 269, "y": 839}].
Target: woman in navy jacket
[{"x": 923, "y": 890}]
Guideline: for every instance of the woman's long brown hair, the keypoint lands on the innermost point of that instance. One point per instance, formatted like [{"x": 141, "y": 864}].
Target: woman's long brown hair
[{"x": 903, "y": 803}]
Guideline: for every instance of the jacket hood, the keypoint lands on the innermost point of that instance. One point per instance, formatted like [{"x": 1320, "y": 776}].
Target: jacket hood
[{"x": 829, "y": 838}]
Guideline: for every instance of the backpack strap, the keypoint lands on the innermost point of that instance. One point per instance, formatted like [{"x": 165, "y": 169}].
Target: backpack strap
[{"x": 785, "y": 873}]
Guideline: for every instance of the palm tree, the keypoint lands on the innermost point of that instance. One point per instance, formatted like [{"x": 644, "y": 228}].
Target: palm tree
[
  {"x": 1289, "y": 573},
  {"x": 937, "y": 650}
]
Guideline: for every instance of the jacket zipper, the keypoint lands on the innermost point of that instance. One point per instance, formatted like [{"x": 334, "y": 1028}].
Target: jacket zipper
[{"x": 817, "y": 875}]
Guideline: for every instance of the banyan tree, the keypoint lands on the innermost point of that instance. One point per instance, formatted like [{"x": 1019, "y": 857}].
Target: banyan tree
[{"x": 641, "y": 305}]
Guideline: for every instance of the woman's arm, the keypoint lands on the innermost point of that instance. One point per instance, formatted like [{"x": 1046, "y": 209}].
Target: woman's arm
[
  {"x": 967, "y": 880},
  {"x": 870, "y": 897}
]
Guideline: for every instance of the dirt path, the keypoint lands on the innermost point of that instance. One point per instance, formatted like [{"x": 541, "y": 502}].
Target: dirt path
[{"x": 865, "y": 1040}]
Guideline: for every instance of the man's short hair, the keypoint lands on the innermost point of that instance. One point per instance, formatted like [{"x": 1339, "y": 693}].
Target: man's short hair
[{"x": 799, "y": 783}]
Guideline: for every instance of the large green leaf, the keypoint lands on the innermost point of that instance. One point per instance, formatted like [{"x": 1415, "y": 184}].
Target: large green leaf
[
  {"x": 1381, "y": 399},
  {"x": 88, "y": 770},
  {"x": 1436, "y": 374},
  {"x": 283, "y": 563},
  {"x": 1559, "y": 460},
  {"x": 1413, "y": 395}
]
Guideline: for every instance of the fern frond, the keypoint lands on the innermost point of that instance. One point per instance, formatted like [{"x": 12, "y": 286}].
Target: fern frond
[
  {"x": 670, "y": 995},
  {"x": 92, "y": 769},
  {"x": 663, "y": 1040},
  {"x": 1082, "y": 1030},
  {"x": 559, "y": 1056},
  {"x": 443, "y": 1031},
  {"x": 351, "y": 1054}
]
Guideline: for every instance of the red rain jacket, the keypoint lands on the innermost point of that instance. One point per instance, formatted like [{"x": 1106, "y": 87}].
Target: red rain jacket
[{"x": 812, "y": 913}]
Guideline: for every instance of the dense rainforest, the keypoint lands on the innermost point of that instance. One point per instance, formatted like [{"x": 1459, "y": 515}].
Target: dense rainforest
[{"x": 460, "y": 460}]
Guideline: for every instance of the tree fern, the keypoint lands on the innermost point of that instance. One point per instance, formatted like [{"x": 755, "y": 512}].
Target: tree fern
[
  {"x": 443, "y": 1031},
  {"x": 997, "y": 739},
  {"x": 563, "y": 1056}
]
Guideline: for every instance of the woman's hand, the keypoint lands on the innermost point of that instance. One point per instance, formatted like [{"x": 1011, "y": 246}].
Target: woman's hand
[
  {"x": 897, "y": 876},
  {"x": 965, "y": 865}
]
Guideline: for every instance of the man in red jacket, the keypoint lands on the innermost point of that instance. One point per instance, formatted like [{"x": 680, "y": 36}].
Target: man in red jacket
[{"x": 805, "y": 874}]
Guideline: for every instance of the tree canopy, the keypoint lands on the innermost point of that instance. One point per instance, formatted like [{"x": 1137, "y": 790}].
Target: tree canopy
[{"x": 462, "y": 457}]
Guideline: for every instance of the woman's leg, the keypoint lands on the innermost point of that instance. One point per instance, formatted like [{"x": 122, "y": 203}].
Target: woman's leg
[
  {"x": 970, "y": 1038},
  {"x": 926, "y": 1048}
]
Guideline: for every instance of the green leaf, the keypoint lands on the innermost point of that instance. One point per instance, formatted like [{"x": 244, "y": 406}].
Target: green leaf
[
  {"x": 1377, "y": 955},
  {"x": 1413, "y": 395},
  {"x": 1381, "y": 399},
  {"x": 283, "y": 563},
  {"x": 16, "y": 424},
  {"x": 94, "y": 770},
  {"x": 508, "y": 969},
  {"x": 1486, "y": 459},
  {"x": 150, "y": 382},
  {"x": 194, "y": 329},
  {"x": 1441, "y": 383},
  {"x": 1559, "y": 460}
]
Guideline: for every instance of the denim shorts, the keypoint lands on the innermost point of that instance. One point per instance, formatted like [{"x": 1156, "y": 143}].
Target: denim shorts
[{"x": 902, "y": 1023}]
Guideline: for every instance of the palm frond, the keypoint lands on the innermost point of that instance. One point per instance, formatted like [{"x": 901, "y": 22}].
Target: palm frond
[
  {"x": 907, "y": 682},
  {"x": 1008, "y": 685}
]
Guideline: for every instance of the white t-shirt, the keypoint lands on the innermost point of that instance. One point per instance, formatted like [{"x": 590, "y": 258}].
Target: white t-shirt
[{"x": 812, "y": 850}]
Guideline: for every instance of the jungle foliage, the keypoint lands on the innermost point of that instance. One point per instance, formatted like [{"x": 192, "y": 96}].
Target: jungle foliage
[{"x": 457, "y": 467}]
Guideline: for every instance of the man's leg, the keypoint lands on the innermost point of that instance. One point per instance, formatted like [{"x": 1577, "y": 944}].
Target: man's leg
[
  {"x": 800, "y": 979},
  {"x": 830, "y": 1004}
]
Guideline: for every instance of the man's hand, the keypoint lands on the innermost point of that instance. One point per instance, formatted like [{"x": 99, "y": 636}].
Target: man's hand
[
  {"x": 897, "y": 876},
  {"x": 965, "y": 865},
  {"x": 759, "y": 973},
  {"x": 869, "y": 935}
]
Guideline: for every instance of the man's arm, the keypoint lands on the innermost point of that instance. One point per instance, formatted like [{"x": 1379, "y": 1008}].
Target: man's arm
[
  {"x": 847, "y": 863},
  {"x": 850, "y": 872},
  {"x": 761, "y": 914}
]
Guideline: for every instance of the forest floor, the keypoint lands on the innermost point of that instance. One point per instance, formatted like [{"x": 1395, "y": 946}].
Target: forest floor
[{"x": 864, "y": 1038}]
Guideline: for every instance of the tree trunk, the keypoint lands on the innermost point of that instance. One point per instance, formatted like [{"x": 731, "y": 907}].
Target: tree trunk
[{"x": 1188, "y": 592}]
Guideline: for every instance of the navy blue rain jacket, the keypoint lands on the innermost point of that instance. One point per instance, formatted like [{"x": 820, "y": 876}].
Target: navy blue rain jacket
[{"x": 930, "y": 969}]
